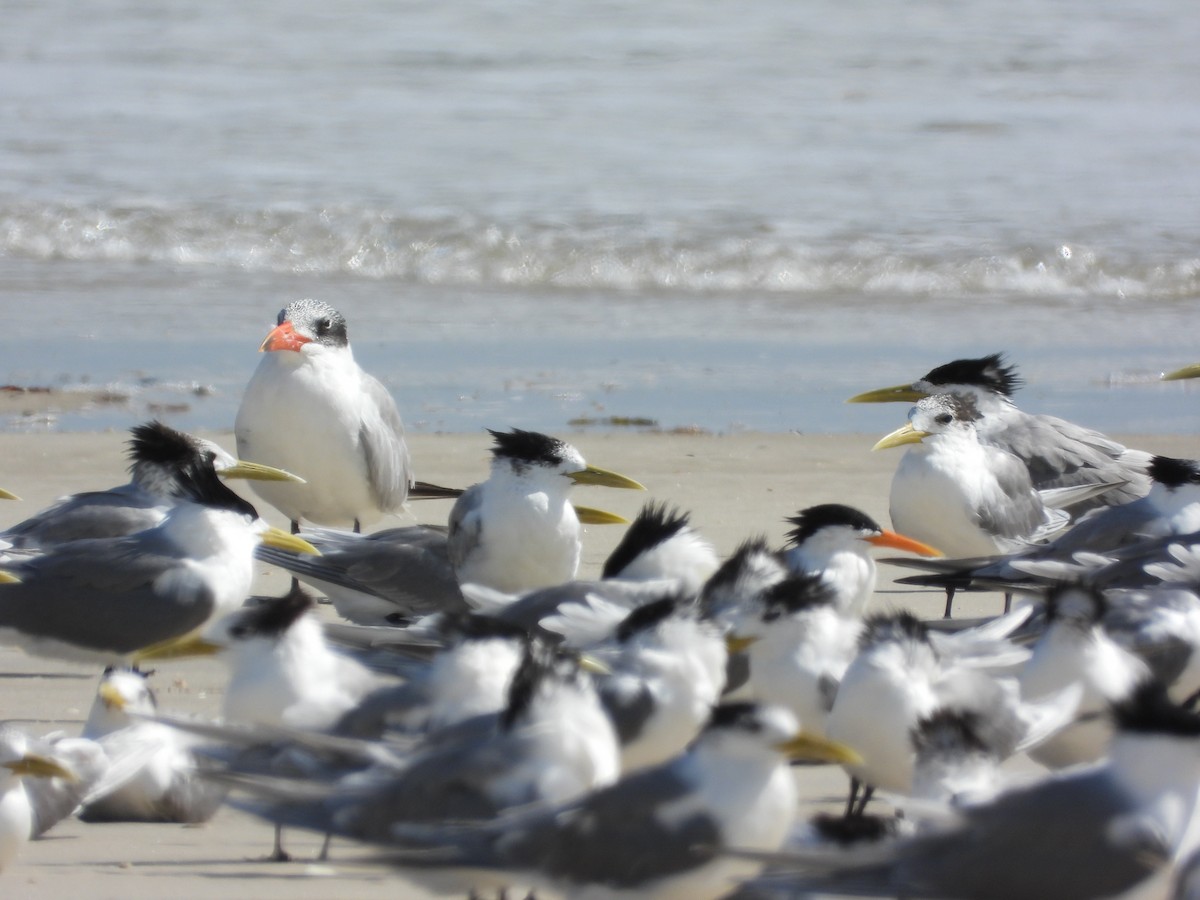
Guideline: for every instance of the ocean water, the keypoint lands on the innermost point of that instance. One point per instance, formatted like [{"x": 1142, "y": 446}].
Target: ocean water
[{"x": 559, "y": 215}]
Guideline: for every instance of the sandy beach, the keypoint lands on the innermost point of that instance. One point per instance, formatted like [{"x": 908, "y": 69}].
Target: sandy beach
[{"x": 734, "y": 487}]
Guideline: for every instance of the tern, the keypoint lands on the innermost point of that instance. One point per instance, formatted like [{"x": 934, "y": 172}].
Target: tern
[
  {"x": 550, "y": 743},
  {"x": 470, "y": 676},
  {"x": 660, "y": 556},
  {"x": 666, "y": 672},
  {"x": 158, "y": 459},
  {"x": 1107, "y": 830},
  {"x": 832, "y": 542},
  {"x": 283, "y": 671},
  {"x": 152, "y": 769},
  {"x": 19, "y": 760},
  {"x": 659, "y": 832},
  {"x": 105, "y": 599},
  {"x": 512, "y": 533},
  {"x": 1056, "y": 453},
  {"x": 517, "y": 530},
  {"x": 799, "y": 646},
  {"x": 311, "y": 409},
  {"x": 1172, "y": 507},
  {"x": 1075, "y": 648},
  {"x": 903, "y": 672},
  {"x": 967, "y": 497}
]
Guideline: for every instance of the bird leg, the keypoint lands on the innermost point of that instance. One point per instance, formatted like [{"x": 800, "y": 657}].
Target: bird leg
[
  {"x": 357, "y": 527},
  {"x": 949, "y": 602},
  {"x": 1007, "y": 602},
  {"x": 324, "y": 854},
  {"x": 856, "y": 804},
  {"x": 278, "y": 854}
]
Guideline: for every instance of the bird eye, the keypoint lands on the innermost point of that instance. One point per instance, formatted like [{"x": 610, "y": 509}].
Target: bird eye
[
  {"x": 944, "y": 419},
  {"x": 323, "y": 325},
  {"x": 237, "y": 631}
]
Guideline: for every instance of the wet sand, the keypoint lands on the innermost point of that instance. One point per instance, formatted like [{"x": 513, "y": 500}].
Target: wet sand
[{"x": 734, "y": 487}]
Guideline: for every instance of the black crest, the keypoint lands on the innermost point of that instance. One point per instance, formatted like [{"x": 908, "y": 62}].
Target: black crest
[
  {"x": 950, "y": 731},
  {"x": 540, "y": 663},
  {"x": 882, "y": 628},
  {"x": 796, "y": 593},
  {"x": 154, "y": 442},
  {"x": 195, "y": 476},
  {"x": 743, "y": 716},
  {"x": 1150, "y": 710},
  {"x": 528, "y": 447},
  {"x": 273, "y": 616},
  {"x": 809, "y": 521},
  {"x": 1173, "y": 473},
  {"x": 990, "y": 372},
  {"x": 646, "y": 617},
  {"x": 656, "y": 524}
]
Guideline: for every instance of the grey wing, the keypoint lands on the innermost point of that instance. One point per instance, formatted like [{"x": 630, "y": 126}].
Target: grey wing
[
  {"x": 1073, "y": 852},
  {"x": 94, "y": 514},
  {"x": 1059, "y": 453},
  {"x": 381, "y": 434},
  {"x": 614, "y": 837},
  {"x": 449, "y": 784},
  {"x": 465, "y": 525},
  {"x": 108, "y": 596},
  {"x": 407, "y": 567},
  {"x": 1019, "y": 513}
]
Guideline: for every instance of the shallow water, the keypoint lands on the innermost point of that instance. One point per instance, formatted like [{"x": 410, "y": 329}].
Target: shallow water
[{"x": 726, "y": 217}]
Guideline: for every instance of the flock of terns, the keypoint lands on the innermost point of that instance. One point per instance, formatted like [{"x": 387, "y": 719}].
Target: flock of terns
[{"x": 487, "y": 722}]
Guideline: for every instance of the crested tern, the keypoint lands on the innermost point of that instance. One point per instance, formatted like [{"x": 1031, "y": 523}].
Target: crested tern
[
  {"x": 158, "y": 456},
  {"x": 517, "y": 530},
  {"x": 799, "y": 646},
  {"x": 105, "y": 599},
  {"x": 833, "y": 542},
  {"x": 151, "y": 775},
  {"x": 1105, "y": 830},
  {"x": 19, "y": 760},
  {"x": 1057, "y": 453},
  {"x": 666, "y": 673},
  {"x": 656, "y": 833}
]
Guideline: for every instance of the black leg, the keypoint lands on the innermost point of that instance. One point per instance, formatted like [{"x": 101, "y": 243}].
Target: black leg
[
  {"x": 324, "y": 854},
  {"x": 868, "y": 792},
  {"x": 278, "y": 854},
  {"x": 1007, "y": 601},
  {"x": 855, "y": 785},
  {"x": 357, "y": 527},
  {"x": 949, "y": 603}
]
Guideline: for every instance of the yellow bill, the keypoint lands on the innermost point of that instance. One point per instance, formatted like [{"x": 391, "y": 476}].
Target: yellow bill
[
  {"x": 275, "y": 537},
  {"x": 604, "y": 478},
  {"x": 258, "y": 472},
  {"x": 899, "y": 393},
  {"x": 808, "y": 747},
  {"x": 589, "y": 516},
  {"x": 906, "y": 434},
  {"x": 39, "y": 767},
  {"x": 189, "y": 646},
  {"x": 1192, "y": 371},
  {"x": 737, "y": 644},
  {"x": 6, "y": 495}
]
